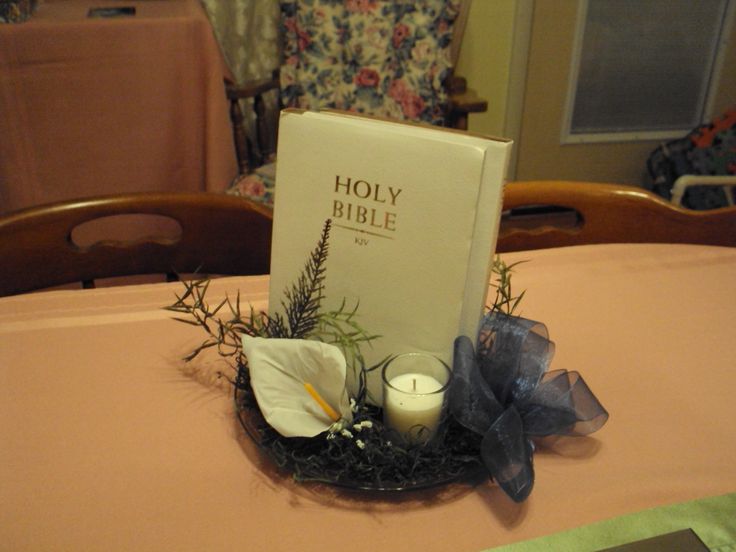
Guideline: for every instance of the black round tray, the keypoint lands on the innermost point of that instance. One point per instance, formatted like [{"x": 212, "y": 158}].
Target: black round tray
[{"x": 462, "y": 463}]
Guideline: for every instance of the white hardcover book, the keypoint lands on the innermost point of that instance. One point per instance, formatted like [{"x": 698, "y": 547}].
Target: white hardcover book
[{"x": 415, "y": 213}]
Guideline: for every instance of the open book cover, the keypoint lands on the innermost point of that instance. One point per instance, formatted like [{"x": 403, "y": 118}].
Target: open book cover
[{"x": 415, "y": 213}]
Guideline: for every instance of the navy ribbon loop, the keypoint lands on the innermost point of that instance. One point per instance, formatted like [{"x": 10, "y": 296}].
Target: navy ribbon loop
[{"x": 504, "y": 392}]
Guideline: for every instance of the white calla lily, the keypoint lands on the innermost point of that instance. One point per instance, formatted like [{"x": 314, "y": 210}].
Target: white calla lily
[{"x": 299, "y": 384}]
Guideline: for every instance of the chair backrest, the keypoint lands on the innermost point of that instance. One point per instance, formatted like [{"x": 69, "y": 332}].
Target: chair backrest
[
  {"x": 726, "y": 183},
  {"x": 380, "y": 59},
  {"x": 219, "y": 235},
  {"x": 698, "y": 170},
  {"x": 543, "y": 214},
  {"x": 386, "y": 59}
]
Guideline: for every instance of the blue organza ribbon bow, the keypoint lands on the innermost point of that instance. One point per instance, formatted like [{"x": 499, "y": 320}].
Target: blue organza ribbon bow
[{"x": 504, "y": 392}]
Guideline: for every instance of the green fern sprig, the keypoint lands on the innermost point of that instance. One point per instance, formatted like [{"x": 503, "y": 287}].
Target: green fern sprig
[
  {"x": 304, "y": 298},
  {"x": 302, "y": 318},
  {"x": 340, "y": 328},
  {"x": 505, "y": 301},
  {"x": 223, "y": 331}
]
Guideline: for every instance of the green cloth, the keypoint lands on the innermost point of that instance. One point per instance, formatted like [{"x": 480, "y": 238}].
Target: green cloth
[{"x": 713, "y": 520}]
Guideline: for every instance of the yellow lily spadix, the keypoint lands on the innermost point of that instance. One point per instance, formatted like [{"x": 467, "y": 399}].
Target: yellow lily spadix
[
  {"x": 299, "y": 384},
  {"x": 334, "y": 416}
]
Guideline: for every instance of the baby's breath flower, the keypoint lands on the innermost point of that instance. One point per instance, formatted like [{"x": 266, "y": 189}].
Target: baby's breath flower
[
  {"x": 360, "y": 444},
  {"x": 346, "y": 433},
  {"x": 364, "y": 424},
  {"x": 353, "y": 405},
  {"x": 338, "y": 426}
]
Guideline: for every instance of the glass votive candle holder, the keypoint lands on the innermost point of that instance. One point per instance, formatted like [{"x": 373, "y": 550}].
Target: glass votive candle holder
[{"x": 414, "y": 388}]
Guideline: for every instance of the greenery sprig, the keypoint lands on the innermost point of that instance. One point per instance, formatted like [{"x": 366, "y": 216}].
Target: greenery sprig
[
  {"x": 505, "y": 301},
  {"x": 223, "y": 330},
  {"x": 304, "y": 298},
  {"x": 303, "y": 318}
]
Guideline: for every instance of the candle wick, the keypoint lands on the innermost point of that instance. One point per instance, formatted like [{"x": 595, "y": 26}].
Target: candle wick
[{"x": 414, "y": 380}]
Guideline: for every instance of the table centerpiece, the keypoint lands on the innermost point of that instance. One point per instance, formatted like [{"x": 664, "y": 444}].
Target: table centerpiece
[{"x": 290, "y": 376}]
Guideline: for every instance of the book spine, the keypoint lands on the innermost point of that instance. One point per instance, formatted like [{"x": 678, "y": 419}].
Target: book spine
[{"x": 485, "y": 234}]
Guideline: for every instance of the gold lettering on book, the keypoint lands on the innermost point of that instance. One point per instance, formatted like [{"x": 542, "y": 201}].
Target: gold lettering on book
[{"x": 373, "y": 216}]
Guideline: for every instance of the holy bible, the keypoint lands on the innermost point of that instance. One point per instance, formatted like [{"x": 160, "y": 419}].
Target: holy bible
[{"x": 415, "y": 213}]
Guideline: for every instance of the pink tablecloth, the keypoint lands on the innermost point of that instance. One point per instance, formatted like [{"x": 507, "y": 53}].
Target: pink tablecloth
[
  {"x": 108, "y": 445},
  {"x": 94, "y": 106}
]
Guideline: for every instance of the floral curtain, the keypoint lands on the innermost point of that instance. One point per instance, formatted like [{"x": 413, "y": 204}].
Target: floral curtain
[
  {"x": 248, "y": 34},
  {"x": 381, "y": 57}
]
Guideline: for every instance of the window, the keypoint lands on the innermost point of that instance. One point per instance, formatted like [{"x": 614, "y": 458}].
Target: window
[{"x": 643, "y": 69}]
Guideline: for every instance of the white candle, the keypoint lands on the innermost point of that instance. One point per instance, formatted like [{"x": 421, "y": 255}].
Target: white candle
[{"x": 412, "y": 405}]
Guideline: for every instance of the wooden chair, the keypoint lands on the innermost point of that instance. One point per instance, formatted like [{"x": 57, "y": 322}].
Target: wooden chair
[
  {"x": 255, "y": 149},
  {"x": 544, "y": 214},
  {"x": 219, "y": 235},
  {"x": 258, "y": 147}
]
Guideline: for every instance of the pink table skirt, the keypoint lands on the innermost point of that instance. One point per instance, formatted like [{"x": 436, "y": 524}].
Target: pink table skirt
[
  {"x": 91, "y": 106},
  {"x": 109, "y": 442}
]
